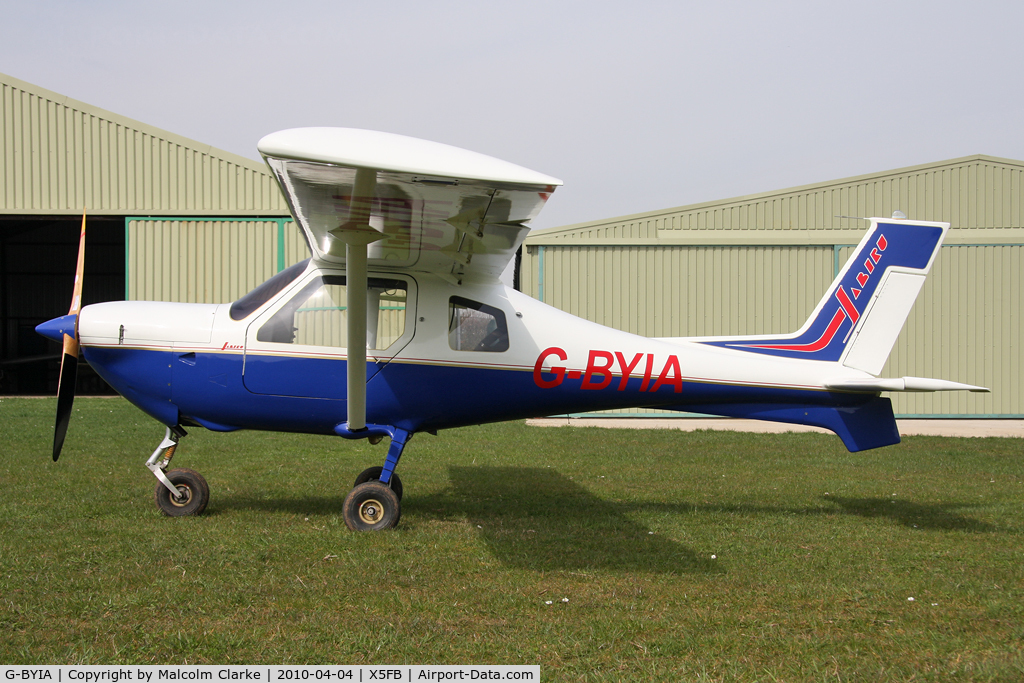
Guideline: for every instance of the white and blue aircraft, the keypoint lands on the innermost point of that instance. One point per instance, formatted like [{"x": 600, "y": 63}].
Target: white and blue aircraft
[{"x": 408, "y": 239}]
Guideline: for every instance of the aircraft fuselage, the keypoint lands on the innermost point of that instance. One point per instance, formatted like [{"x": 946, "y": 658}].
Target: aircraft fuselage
[{"x": 195, "y": 363}]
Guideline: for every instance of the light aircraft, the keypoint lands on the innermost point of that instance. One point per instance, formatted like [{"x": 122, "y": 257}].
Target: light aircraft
[{"x": 407, "y": 240}]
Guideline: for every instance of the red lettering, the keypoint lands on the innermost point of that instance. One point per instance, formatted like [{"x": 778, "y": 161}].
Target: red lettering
[
  {"x": 862, "y": 279},
  {"x": 847, "y": 304},
  {"x": 869, "y": 266},
  {"x": 647, "y": 372},
  {"x": 558, "y": 372},
  {"x": 881, "y": 243},
  {"x": 626, "y": 369},
  {"x": 875, "y": 255},
  {"x": 594, "y": 369},
  {"x": 676, "y": 380}
]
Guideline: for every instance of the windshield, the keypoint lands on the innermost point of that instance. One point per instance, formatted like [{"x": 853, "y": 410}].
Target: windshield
[{"x": 263, "y": 293}]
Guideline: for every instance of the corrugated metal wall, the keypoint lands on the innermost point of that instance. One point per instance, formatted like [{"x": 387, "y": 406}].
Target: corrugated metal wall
[
  {"x": 972, "y": 192},
  {"x": 204, "y": 261},
  {"x": 295, "y": 248},
  {"x": 677, "y": 291},
  {"x": 60, "y": 155},
  {"x": 966, "y": 326}
]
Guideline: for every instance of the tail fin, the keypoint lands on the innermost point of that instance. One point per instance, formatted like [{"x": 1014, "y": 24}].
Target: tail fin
[{"x": 858, "y": 320}]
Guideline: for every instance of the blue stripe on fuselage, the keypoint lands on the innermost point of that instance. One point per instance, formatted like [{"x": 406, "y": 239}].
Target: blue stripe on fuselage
[{"x": 208, "y": 387}]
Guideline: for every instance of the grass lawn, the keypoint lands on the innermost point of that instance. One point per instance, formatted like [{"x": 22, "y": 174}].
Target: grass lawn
[{"x": 700, "y": 556}]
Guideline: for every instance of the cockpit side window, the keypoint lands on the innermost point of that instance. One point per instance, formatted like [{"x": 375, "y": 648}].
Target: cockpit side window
[
  {"x": 264, "y": 292},
  {"x": 473, "y": 326},
  {"x": 317, "y": 314}
]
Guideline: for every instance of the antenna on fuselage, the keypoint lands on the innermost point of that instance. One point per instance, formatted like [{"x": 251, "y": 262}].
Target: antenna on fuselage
[{"x": 357, "y": 233}]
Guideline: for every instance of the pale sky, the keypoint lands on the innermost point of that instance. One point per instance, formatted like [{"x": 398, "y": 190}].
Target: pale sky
[{"x": 636, "y": 106}]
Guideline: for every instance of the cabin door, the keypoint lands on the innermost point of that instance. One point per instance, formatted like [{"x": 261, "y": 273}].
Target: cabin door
[{"x": 298, "y": 346}]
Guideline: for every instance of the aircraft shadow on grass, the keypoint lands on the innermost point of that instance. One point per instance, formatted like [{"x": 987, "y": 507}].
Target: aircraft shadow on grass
[
  {"x": 528, "y": 517},
  {"x": 935, "y": 516},
  {"x": 541, "y": 519}
]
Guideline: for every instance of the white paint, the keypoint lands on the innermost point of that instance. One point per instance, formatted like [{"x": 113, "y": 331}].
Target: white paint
[
  {"x": 160, "y": 322},
  {"x": 882, "y": 321},
  {"x": 395, "y": 153}
]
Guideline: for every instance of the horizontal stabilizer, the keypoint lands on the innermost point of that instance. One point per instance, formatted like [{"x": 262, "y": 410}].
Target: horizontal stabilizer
[{"x": 874, "y": 384}]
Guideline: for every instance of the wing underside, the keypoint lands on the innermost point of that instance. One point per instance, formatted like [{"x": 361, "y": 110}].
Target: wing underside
[{"x": 456, "y": 222}]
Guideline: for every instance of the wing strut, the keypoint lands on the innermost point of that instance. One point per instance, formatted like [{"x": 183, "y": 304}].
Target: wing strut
[
  {"x": 355, "y": 266},
  {"x": 357, "y": 233}
]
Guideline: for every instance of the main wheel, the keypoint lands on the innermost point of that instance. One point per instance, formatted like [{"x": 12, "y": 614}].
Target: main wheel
[
  {"x": 371, "y": 506},
  {"x": 195, "y": 494},
  {"x": 373, "y": 474}
]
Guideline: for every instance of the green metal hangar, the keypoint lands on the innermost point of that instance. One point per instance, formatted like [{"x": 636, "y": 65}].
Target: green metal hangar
[
  {"x": 167, "y": 219},
  {"x": 760, "y": 264},
  {"x": 172, "y": 219}
]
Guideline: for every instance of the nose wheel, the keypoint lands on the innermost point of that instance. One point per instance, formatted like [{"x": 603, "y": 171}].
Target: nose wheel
[{"x": 193, "y": 494}]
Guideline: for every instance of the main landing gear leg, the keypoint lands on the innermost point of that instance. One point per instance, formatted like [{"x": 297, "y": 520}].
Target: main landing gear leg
[
  {"x": 179, "y": 492},
  {"x": 375, "y": 500}
]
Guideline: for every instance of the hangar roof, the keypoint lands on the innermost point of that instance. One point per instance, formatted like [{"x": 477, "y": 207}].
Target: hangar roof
[
  {"x": 980, "y": 196},
  {"x": 58, "y": 155}
]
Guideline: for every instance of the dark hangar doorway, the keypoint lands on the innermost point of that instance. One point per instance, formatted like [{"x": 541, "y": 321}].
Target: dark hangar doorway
[{"x": 38, "y": 255}]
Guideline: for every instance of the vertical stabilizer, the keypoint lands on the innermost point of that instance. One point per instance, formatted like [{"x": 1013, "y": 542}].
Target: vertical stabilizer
[{"x": 858, "y": 320}]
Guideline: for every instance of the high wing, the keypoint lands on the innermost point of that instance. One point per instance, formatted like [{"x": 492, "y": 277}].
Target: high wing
[
  {"x": 418, "y": 205},
  {"x": 366, "y": 199}
]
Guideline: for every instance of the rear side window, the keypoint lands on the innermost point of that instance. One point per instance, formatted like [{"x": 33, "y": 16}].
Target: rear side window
[
  {"x": 473, "y": 326},
  {"x": 265, "y": 292}
]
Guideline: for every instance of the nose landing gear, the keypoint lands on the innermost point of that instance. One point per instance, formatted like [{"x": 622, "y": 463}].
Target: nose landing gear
[{"x": 180, "y": 492}]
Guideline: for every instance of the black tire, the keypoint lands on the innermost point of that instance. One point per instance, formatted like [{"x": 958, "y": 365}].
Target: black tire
[
  {"x": 373, "y": 474},
  {"x": 371, "y": 506},
  {"x": 195, "y": 491}
]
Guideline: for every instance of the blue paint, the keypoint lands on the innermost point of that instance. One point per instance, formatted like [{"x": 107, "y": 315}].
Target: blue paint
[
  {"x": 909, "y": 246},
  {"x": 56, "y": 329},
  {"x": 344, "y": 432},
  {"x": 208, "y": 389},
  {"x": 142, "y": 377},
  {"x": 398, "y": 441},
  {"x": 868, "y": 425},
  {"x": 318, "y": 377}
]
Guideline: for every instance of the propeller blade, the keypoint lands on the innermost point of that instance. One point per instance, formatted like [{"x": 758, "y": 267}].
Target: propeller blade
[
  {"x": 69, "y": 361},
  {"x": 76, "y": 296},
  {"x": 65, "y": 392}
]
